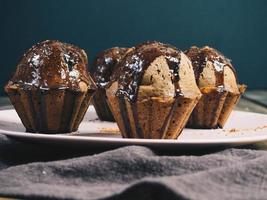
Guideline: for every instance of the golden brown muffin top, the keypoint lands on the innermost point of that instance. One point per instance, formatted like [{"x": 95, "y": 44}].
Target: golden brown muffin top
[
  {"x": 53, "y": 65},
  {"x": 105, "y": 63},
  {"x": 130, "y": 70},
  {"x": 200, "y": 57}
]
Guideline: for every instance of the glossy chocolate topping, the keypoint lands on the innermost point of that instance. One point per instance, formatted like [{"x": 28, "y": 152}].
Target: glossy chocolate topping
[
  {"x": 130, "y": 70},
  {"x": 199, "y": 58},
  {"x": 104, "y": 64},
  {"x": 52, "y": 65}
]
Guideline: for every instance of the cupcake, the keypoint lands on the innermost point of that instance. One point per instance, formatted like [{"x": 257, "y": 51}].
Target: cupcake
[
  {"x": 152, "y": 92},
  {"x": 102, "y": 68},
  {"x": 51, "y": 88},
  {"x": 217, "y": 81}
]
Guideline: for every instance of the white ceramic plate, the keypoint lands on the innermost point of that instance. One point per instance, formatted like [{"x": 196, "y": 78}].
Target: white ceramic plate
[{"x": 242, "y": 128}]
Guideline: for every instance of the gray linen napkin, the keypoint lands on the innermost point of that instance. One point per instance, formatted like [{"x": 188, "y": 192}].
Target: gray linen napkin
[{"x": 134, "y": 172}]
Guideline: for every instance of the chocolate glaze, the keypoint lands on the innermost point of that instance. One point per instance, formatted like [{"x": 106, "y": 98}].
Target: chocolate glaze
[
  {"x": 199, "y": 58},
  {"x": 52, "y": 65},
  {"x": 130, "y": 70},
  {"x": 104, "y": 65}
]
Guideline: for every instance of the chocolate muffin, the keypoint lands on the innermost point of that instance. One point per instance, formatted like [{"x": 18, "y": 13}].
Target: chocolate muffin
[
  {"x": 51, "y": 88},
  {"x": 216, "y": 79},
  {"x": 152, "y": 92},
  {"x": 102, "y": 68}
]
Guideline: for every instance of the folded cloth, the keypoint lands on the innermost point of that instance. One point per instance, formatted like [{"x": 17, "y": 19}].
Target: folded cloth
[{"x": 133, "y": 172}]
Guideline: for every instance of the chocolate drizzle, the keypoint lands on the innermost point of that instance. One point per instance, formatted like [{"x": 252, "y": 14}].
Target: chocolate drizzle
[
  {"x": 131, "y": 69},
  {"x": 104, "y": 65},
  {"x": 52, "y": 65},
  {"x": 199, "y": 58}
]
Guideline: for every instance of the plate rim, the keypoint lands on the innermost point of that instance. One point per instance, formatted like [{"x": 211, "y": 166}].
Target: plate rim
[{"x": 72, "y": 136}]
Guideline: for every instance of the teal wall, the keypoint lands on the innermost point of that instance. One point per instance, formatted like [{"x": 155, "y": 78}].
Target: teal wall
[{"x": 236, "y": 27}]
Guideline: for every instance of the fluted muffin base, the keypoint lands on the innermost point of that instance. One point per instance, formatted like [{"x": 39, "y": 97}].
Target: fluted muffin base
[
  {"x": 230, "y": 102},
  {"x": 214, "y": 108},
  {"x": 101, "y": 106},
  {"x": 50, "y": 111},
  {"x": 153, "y": 118}
]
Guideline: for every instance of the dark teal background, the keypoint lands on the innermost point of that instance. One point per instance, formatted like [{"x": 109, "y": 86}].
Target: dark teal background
[{"x": 236, "y": 27}]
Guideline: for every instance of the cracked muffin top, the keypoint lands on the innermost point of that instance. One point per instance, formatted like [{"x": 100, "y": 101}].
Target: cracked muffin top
[
  {"x": 52, "y": 64},
  {"x": 105, "y": 63},
  {"x": 154, "y": 69},
  {"x": 212, "y": 69}
]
